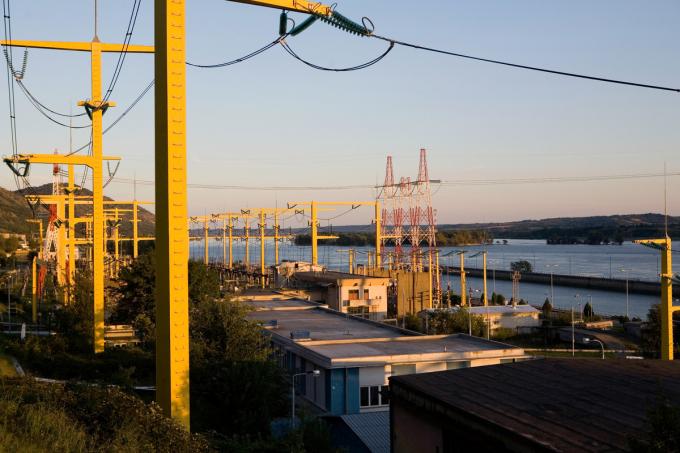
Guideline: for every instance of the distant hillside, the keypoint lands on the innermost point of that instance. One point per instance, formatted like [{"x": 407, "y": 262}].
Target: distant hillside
[
  {"x": 13, "y": 213},
  {"x": 565, "y": 230},
  {"x": 15, "y": 210}
]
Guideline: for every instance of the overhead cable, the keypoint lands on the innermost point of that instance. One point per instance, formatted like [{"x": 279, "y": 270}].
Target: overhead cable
[
  {"x": 241, "y": 59},
  {"x": 460, "y": 182},
  {"x": 290, "y": 51},
  {"x": 531, "y": 68}
]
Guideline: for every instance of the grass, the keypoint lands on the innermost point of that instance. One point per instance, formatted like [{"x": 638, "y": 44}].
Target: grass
[{"x": 7, "y": 367}]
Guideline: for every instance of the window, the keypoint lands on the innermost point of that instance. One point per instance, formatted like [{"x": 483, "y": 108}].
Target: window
[
  {"x": 399, "y": 370},
  {"x": 353, "y": 294},
  {"x": 374, "y": 395},
  {"x": 457, "y": 365},
  {"x": 362, "y": 312}
]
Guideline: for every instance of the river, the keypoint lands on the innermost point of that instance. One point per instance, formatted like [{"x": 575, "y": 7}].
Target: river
[{"x": 631, "y": 261}]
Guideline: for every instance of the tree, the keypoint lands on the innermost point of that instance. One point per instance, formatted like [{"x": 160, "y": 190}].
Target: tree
[
  {"x": 588, "y": 312},
  {"x": 458, "y": 321},
  {"x": 662, "y": 433},
  {"x": 547, "y": 309},
  {"x": 522, "y": 266}
]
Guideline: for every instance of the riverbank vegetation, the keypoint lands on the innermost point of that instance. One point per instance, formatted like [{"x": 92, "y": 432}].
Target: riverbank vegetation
[
  {"x": 445, "y": 238},
  {"x": 237, "y": 388}
]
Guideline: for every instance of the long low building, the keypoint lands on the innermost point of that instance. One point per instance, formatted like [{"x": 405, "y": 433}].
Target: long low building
[{"x": 356, "y": 357}]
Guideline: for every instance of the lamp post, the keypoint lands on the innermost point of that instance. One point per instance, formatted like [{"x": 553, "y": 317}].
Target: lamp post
[
  {"x": 588, "y": 340},
  {"x": 314, "y": 373},
  {"x": 552, "y": 287},
  {"x": 625, "y": 272}
]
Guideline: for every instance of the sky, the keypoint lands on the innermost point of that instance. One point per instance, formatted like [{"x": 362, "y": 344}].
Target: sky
[{"x": 272, "y": 121}]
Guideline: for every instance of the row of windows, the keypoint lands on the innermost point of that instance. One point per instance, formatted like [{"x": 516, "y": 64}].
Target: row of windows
[{"x": 374, "y": 395}]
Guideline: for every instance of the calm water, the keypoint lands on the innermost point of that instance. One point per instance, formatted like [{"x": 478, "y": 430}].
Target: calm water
[{"x": 631, "y": 261}]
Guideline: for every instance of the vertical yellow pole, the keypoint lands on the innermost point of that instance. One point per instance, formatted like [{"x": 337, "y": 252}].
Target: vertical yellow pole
[
  {"x": 116, "y": 248},
  {"x": 247, "y": 235},
  {"x": 486, "y": 297},
  {"x": 350, "y": 259},
  {"x": 429, "y": 277},
  {"x": 276, "y": 238},
  {"x": 206, "y": 252},
  {"x": 135, "y": 230},
  {"x": 463, "y": 286},
  {"x": 437, "y": 277},
  {"x": 61, "y": 253},
  {"x": 315, "y": 235},
  {"x": 97, "y": 198},
  {"x": 71, "y": 229},
  {"x": 378, "y": 238},
  {"x": 34, "y": 290},
  {"x": 231, "y": 247},
  {"x": 369, "y": 259},
  {"x": 172, "y": 239},
  {"x": 262, "y": 265},
  {"x": 224, "y": 242},
  {"x": 666, "y": 308}
]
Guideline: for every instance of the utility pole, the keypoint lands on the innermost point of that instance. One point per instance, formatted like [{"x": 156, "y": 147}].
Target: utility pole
[
  {"x": 172, "y": 317},
  {"x": 95, "y": 107},
  {"x": 666, "y": 308},
  {"x": 314, "y": 223},
  {"x": 463, "y": 285}
]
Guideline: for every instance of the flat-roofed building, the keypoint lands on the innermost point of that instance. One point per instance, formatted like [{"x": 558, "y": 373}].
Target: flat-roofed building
[
  {"x": 355, "y": 294},
  {"x": 356, "y": 357}
]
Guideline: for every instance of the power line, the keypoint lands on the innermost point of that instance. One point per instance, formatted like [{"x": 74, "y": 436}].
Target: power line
[
  {"x": 531, "y": 68},
  {"x": 126, "y": 44},
  {"x": 444, "y": 183},
  {"x": 290, "y": 51},
  {"x": 241, "y": 59}
]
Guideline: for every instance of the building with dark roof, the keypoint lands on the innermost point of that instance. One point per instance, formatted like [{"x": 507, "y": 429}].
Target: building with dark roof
[{"x": 584, "y": 405}]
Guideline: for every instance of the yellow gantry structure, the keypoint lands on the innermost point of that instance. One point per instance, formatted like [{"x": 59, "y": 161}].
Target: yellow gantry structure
[
  {"x": 172, "y": 240},
  {"x": 314, "y": 224},
  {"x": 95, "y": 107},
  {"x": 666, "y": 308}
]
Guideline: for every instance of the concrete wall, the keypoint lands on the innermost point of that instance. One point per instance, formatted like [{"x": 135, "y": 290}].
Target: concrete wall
[{"x": 412, "y": 431}]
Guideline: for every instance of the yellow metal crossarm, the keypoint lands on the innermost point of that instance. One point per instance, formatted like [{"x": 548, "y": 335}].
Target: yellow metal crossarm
[{"x": 77, "y": 46}]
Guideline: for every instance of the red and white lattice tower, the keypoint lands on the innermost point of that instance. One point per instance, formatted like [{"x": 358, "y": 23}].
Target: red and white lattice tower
[
  {"x": 408, "y": 216},
  {"x": 51, "y": 246}
]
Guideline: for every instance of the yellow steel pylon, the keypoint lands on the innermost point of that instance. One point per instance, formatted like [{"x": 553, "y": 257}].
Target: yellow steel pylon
[
  {"x": 95, "y": 107},
  {"x": 314, "y": 224},
  {"x": 666, "y": 308},
  {"x": 172, "y": 317}
]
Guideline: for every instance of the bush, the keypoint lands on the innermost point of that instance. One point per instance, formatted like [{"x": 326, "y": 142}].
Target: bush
[
  {"x": 458, "y": 321},
  {"x": 53, "y": 417},
  {"x": 522, "y": 266}
]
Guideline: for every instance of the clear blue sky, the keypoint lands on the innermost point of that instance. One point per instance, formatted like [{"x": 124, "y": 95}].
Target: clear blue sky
[{"x": 273, "y": 121}]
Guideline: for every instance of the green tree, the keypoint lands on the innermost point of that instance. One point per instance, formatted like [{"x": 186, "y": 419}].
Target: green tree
[
  {"x": 547, "y": 309},
  {"x": 662, "y": 430},
  {"x": 522, "y": 266},
  {"x": 76, "y": 320},
  {"x": 456, "y": 321},
  {"x": 588, "y": 312}
]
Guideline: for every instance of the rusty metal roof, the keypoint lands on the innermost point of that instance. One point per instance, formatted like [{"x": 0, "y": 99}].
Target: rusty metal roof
[{"x": 562, "y": 404}]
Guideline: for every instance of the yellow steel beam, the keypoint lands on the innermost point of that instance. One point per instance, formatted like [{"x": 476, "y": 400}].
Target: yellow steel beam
[
  {"x": 172, "y": 244},
  {"x": 77, "y": 46},
  {"x": 299, "y": 6},
  {"x": 75, "y": 159}
]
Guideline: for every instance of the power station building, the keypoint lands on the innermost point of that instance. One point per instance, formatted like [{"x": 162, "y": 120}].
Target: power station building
[{"x": 356, "y": 357}]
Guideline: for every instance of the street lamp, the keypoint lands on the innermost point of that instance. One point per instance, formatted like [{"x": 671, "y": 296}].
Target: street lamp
[
  {"x": 588, "y": 340},
  {"x": 552, "y": 288},
  {"x": 314, "y": 373},
  {"x": 626, "y": 274}
]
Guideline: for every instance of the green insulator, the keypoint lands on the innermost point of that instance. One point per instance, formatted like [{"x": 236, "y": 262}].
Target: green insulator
[
  {"x": 283, "y": 23},
  {"x": 304, "y": 25}
]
